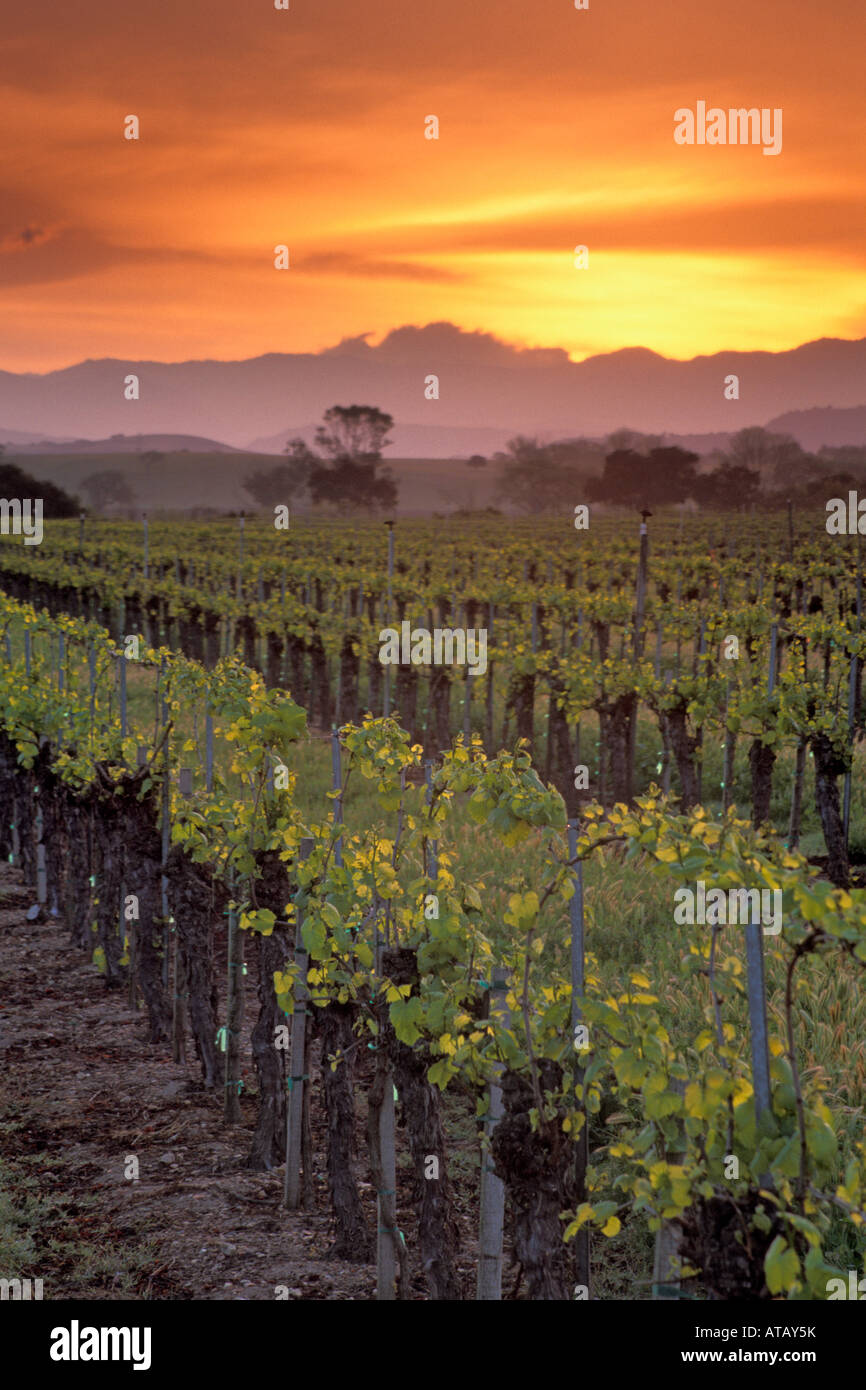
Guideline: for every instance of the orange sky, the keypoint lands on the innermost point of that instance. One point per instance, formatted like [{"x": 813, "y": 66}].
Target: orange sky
[{"x": 306, "y": 127}]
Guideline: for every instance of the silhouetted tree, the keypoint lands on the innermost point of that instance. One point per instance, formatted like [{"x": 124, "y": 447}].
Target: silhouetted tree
[
  {"x": 663, "y": 476},
  {"x": 14, "y": 482},
  {"x": 352, "y": 439},
  {"x": 349, "y": 485},
  {"x": 729, "y": 485},
  {"x": 354, "y": 432},
  {"x": 283, "y": 483}
]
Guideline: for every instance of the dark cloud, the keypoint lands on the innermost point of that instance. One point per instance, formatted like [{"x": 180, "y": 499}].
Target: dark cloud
[
  {"x": 339, "y": 263},
  {"x": 33, "y": 234}
]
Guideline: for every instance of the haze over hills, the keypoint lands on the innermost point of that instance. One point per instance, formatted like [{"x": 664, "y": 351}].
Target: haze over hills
[
  {"x": 411, "y": 440},
  {"x": 23, "y": 439},
  {"x": 119, "y": 444},
  {"x": 484, "y": 384},
  {"x": 823, "y": 425}
]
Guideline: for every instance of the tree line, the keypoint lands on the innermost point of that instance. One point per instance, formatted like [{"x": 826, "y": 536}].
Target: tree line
[{"x": 344, "y": 469}]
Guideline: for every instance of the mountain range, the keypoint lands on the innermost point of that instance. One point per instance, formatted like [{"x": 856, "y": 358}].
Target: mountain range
[{"x": 488, "y": 390}]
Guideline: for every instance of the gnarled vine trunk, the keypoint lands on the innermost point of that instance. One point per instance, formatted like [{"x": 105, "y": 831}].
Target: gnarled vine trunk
[{"x": 438, "y": 1233}]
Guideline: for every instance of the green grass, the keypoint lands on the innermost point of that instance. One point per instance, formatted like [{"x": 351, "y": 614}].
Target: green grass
[{"x": 42, "y": 1213}]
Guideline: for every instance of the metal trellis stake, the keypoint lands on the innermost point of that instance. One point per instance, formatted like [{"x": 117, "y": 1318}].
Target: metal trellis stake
[
  {"x": 295, "y": 1107},
  {"x": 492, "y": 1197}
]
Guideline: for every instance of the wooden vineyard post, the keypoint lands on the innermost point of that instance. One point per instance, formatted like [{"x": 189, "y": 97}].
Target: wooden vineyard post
[
  {"x": 91, "y": 671},
  {"x": 491, "y": 1220},
  {"x": 488, "y": 708},
  {"x": 41, "y": 870},
  {"x": 208, "y": 744},
  {"x": 381, "y": 1129},
  {"x": 433, "y": 845},
  {"x": 667, "y": 759},
  {"x": 179, "y": 992},
  {"x": 132, "y": 927},
  {"x": 384, "y": 1165},
  {"x": 858, "y": 679},
  {"x": 162, "y": 705},
  {"x": 386, "y": 698},
  {"x": 679, "y": 595},
  {"x": 295, "y": 1107},
  {"x": 14, "y": 857},
  {"x": 797, "y": 794},
  {"x": 853, "y": 699},
  {"x": 774, "y": 656},
  {"x": 121, "y": 678},
  {"x": 231, "y": 1034},
  {"x": 853, "y": 674},
  {"x": 639, "y": 634},
  {"x": 581, "y": 1240},
  {"x": 730, "y": 751},
  {"x": 699, "y": 735},
  {"x": 579, "y": 645},
  {"x": 336, "y": 786},
  {"x": 666, "y": 1259}
]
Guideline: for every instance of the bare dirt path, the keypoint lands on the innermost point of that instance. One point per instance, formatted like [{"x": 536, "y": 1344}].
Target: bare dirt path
[{"x": 81, "y": 1092}]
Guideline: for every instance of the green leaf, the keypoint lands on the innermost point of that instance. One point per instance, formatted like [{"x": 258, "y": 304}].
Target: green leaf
[
  {"x": 781, "y": 1266},
  {"x": 315, "y": 937},
  {"x": 405, "y": 1016}
]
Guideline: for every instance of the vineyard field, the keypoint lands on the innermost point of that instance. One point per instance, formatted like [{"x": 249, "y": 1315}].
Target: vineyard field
[{"x": 405, "y": 945}]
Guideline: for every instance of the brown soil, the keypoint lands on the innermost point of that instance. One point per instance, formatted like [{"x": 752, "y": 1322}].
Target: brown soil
[{"x": 81, "y": 1089}]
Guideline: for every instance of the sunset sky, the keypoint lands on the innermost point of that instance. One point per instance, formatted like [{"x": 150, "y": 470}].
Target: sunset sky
[{"x": 306, "y": 127}]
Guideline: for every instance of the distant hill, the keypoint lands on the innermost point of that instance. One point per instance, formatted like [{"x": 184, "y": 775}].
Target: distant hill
[
  {"x": 483, "y": 384},
  {"x": 823, "y": 425},
  {"x": 25, "y": 437},
  {"x": 127, "y": 444}
]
